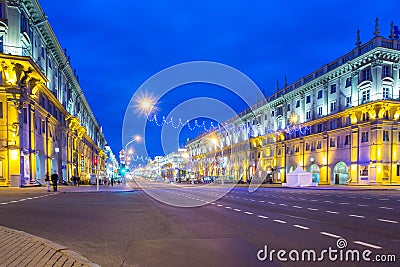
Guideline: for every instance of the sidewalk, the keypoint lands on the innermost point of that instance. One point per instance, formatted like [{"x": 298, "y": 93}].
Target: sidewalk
[
  {"x": 18, "y": 248},
  {"x": 332, "y": 187},
  {"x": 74, "y": 189}
]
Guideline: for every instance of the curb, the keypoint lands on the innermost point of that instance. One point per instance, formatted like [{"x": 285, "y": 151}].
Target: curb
[{"x": 52, "y": 245}]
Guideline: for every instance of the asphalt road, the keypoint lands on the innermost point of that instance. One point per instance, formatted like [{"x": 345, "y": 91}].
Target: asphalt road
[{"x": 134, "y": 229}]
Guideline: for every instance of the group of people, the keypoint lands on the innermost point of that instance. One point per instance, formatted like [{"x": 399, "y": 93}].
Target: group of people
[
  {"x": 54, "y": 180},
  {"x": 76, "y": 180}
]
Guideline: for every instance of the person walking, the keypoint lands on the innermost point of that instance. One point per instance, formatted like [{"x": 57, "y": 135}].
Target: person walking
[
  {"x": 54, "y": 180},
  {"x": 47, "y": 180}
]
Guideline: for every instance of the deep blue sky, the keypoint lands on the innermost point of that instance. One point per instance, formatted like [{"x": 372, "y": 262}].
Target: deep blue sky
[{"x": 116, "y": 45}]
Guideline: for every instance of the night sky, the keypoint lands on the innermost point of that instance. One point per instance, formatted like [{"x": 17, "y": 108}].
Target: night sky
[{"x": 115, "y": 46}]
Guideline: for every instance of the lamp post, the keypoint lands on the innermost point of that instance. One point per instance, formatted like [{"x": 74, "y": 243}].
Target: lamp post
[{"x": 215, "y": 141}]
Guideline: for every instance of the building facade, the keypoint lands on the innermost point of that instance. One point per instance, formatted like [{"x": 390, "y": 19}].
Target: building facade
[
  {"x": 46, "y": 123},
  {"x": 340, "y": 122}
]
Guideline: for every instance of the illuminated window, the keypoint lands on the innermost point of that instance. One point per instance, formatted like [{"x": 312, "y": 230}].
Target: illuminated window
[
  {"x": 308, "y": 114},
  {"x": 348, "y": 81},
  {"x": 386, "y": 136},
  {"x": 386, "y": 91},
  {"x": 333, "y": 88},
  {"x": 364, "y": 137},
  {"x": 319, "y": 96},
  {"x": 297, "y": 149},
  {"x": 308, "y": 99},
  {"x": 333, "y": 106}
]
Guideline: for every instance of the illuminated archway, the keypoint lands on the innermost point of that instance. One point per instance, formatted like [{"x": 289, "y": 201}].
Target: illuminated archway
[
  {"x": 314, "y": 169},
  {"x": 340, "y": 173}
]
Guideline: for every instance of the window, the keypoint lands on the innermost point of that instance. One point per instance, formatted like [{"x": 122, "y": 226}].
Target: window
[
  {"x": 332, "y": 142},
  {"x": 272, "y": 113},
  {"x": 308, "y": 99},
  {"x": 297, "y": 103},
  {"x": 1, "y": 110},
  {"x": 366, "y": 74},
  {"x": 308, "y": 114},
  {"x": 398, "y": 170},
  {"x": 398, "y": 138},
  {"x": 297, "y": 149},
  {"x": 333, "y": 88},
  {"x": 319, "y": 128},
  {"x": 320, "y": 110},
  {"x": 333, "y": 124},
  {"x": 386, "y": 136},
  {"x": 43, "y": 127},
  {"x": 386, "y": 92},
  {"x": 364, "y": 137},
  {"x": 365, "y": 96},
  {"x": 386, "y": 71},
  {"x": 25, "y": 115},
  {"x": 347, "y": 140},
  {"x": 348, "y": 82},
  {"x": 307, "y": 146},
  {"x": 279, "y": 111},
  {"x": 319, "y": 145},
  {"x": 348, "y": 101},
  {"x": 365, "y": 116},
  {"x": 288, "y": 107},
  {"x": 333, "y": 106},
  {"x": 266, "y": 117},
  {"x": 319, "y": 96}
]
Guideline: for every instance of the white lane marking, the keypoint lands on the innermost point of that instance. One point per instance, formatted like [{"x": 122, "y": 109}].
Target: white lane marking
[
  {"x": 245, "y": 198},
  {"x": 229, "y": 208},
  {"x": 367, "y": 244},
  {"x": 366, "y": 198},
  {"x": 3, "y": 203},
  {"x": 261, "y": 201},
  {"x": 219, "y": 205},
  {"x": 329, "y": 234},
  {"x": 279, "y": 221},
  {"x": 312, "y": 209},
  {"x": 212, "y": 203},
  {"x": 262, "y": 216},
  {"x": 362, "y": 205},
  {"x": 283, "y": 205},
  {"x": 386, "y": 208},
  {"x": 302, "y": 199},
  {"x": 388, "y": 221},
  {"x": 332, "y": 212},
  {"x": 383, "y": 199},
  {"x": 301, "y": 227},
  {"x": 252, "y": 200},
  {"x": 344, "y": 203},
  {"x": 272, "y": 203},
  {"x": 357, "y": 216},
  {"x": 314, "y": 200},
  {"x": 237, "y": 210},
  {"x": 297, "y": 207},
  {"x": 328, "y": 201},
  {"x": 249, "y": 213}
]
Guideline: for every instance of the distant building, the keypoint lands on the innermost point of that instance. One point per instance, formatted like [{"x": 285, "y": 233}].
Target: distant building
[
  {"x": 340, "y": 122},
  {"x": 46, "y": 123}
]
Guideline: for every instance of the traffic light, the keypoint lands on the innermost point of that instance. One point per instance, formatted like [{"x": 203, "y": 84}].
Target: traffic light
[
  {"x": 122, "y": 170},
  {"x": 95, "y": 161}
]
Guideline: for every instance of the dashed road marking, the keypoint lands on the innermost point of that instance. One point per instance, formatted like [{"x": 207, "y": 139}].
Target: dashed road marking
[
  {"x": 357, "y": 216},
  {"x": 330, "y": 234},
  {"x": 312, "y": 209},
  {"x": 272, "y": 203},
  {"x": 344, "y": 203},
  {"x": 297, "y": 207},
  {"x": 283, "y": 205},
  {"x": 219, "y": 205},
  {"x": 367, "y": 244},
  {"x": 248, "y": 212},
  {"x": 279, "y": 221},
  {"x": 362, "y": 205},
  {"x": 328, "y": 201},
  {"x": 301, "y": 227},
  {"x": 386, "y": 208},
  {"x": 383, "y": 199},
  {"x": 229, "y": 208},
  {"x": 388, "y": 221},
  {"x": 237, "y": 210},
  {"x": 262, "y": 216},
  {"x": 314, "y": 200},
  {"x": 332, "y": 212},
  {"x": 261, "y": 201}
]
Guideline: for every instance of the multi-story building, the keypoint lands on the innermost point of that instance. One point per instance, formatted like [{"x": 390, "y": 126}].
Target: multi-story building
[
  {"x": 46, "y": 123},
  {"x": 340, "y": 122}
]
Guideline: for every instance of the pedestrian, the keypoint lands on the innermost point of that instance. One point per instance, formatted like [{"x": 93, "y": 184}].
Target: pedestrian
[
  {"x": 47, "y": 180},
  {"x": 54, "y": 180},
  {"x": 112, "y": 181},
  {"x": 73, "y": 180},
  {"x": 78, "y": 180}
]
